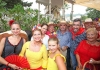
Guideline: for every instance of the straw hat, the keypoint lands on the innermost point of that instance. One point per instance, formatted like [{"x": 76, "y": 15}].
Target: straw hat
[
  {"x": 51, "y": 24},
  {"x": 88, "y": 20},
  {"x": 62, "y": 22}
]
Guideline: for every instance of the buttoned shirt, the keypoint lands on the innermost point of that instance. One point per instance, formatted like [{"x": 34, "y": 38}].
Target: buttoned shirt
[{"x": 64, "y": 39}]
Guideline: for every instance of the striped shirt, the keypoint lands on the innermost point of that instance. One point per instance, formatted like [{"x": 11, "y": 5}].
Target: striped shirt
[{"x": 76, "y": 41}]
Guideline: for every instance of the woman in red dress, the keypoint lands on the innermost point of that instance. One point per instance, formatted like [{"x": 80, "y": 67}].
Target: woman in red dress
[{"x": 89, "y": 50}]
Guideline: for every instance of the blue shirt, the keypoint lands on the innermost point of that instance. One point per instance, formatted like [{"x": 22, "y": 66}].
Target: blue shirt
[{"x": 64, "y": 39}]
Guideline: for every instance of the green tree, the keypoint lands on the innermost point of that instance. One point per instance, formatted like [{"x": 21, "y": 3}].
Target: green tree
[
  {"x": 27, "y": 17},
  {"x": 2, "y": 10},
  {"x": 10, "y": 3},
  {"x": 2, "y": 4},
  {"x": 83, "y": 17},
  {"x": 93, "y": 13},
  {"x": 66, "y": 6}
]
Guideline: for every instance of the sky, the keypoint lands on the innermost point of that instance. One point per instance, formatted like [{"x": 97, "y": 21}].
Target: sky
[{"x": 78, "y": 9}]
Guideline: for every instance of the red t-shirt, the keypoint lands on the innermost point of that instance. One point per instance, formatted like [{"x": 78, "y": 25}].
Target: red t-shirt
[{"x": 86, "y": 52}]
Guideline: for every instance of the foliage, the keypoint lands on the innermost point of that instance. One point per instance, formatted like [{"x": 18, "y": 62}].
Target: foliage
[
  {"x": 10, "y": 3},
  {"x": 2, "y": 4},
  {"x": 83, "y": 17},
  {"x": 92, "y": 13},
  {"x": 66, "y": 6},
  {"x": 26, "y": 17},
  {"x": 4, "y": 25},
  {"x": 2, "y": 9}
]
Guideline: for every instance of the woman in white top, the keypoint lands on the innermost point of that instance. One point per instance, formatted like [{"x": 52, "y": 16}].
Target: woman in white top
[{"x": 44, "y": 36}]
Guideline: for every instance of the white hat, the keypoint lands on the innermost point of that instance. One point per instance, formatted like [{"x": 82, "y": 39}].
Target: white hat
[{"x": 88, "y": 20}]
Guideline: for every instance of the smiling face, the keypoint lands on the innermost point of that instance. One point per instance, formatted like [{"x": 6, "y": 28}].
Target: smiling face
[
  {"x": 44, "y": 29},
  {"x": 63, "y": 27},
  {"x": 76, "y": 26},
  {"x": 91, "y": 35},
  {"x": 53, "y": 46},
  {"x": 51, "y": 28},
  {"x": 37, "y": 35},
  {"x": 88, "y": 25},
  {"x": 15, "y": 28}
]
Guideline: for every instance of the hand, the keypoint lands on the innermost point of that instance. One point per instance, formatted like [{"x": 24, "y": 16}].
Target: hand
[
  {"x": 80, "y": 66},
  {"x": 20, "y": 68},
  {"x": 64, "y": 48},
  {"x": 92, "y": 61},
  {"x": 44, "y": 69},
  {"x": 14, "y": 66}
]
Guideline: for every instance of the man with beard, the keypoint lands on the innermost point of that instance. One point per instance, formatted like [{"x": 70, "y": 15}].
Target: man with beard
[{"x": 78, "y": 35}]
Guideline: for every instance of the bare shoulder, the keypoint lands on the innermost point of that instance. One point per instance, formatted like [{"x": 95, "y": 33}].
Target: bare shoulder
[
  {"x": 60, "y": 62},
  {"x": 3, "y": 40},
  {"x": 59, "y": 58}
]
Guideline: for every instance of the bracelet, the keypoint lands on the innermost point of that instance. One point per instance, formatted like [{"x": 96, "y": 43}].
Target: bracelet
[{"x": 7, "y": 64}]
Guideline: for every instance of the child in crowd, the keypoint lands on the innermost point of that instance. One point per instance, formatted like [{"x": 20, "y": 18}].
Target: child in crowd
[{"x": 56, "y": 60}]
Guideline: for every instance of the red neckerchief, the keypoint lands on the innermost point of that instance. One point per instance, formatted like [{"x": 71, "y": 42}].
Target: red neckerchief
[
  {"x": 81, "y": 30},
  {"x": 51, "y": 34}
]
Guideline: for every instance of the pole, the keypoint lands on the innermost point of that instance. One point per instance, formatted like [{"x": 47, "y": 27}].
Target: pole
[
  {"x": 72, "y": 11},
  {"x": 49, "y": 10},
  {"x": 38, "y": 13},
  {"x": 63, "y": 13}
]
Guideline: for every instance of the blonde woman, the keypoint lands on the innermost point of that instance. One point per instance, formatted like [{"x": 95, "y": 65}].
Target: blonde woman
[{"x": 35, "y": 52}]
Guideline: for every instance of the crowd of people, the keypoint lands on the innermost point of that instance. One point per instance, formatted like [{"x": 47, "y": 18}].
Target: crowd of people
[{"x": 60, "y": 46}]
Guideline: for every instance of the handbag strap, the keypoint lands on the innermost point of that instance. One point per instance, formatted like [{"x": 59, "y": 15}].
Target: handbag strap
[{"x": 85, "y": 65}]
